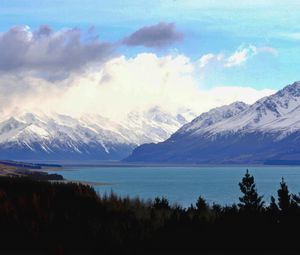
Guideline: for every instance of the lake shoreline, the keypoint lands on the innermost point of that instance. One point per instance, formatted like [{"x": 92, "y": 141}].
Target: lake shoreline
[
  {"x": 181, "y": 184},
  {"x": 72, "y": 164}
]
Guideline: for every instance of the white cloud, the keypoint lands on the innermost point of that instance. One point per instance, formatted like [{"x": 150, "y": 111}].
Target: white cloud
[
  {"x": 208, "y": 58},
  {"x": 228, "y": 94},
  {"x": 240, "y": 56},
  {"x": 123, "y": 85}
]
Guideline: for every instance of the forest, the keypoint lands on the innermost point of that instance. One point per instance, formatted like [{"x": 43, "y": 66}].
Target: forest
[{"x": 41, "y": 217}]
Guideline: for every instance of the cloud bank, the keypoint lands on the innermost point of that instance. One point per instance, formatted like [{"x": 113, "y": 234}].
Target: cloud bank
[
  {"x": 156, "y": 36},
  {"x": 49, "y": 53},
  {"x": 123, "y": 85},
  {"x": 66, "y": 72}
]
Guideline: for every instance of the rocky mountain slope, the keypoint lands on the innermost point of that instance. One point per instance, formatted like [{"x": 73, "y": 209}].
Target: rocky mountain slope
[
  {"x": 267, "y": 130},
  {"x": 55, "y": 136}
]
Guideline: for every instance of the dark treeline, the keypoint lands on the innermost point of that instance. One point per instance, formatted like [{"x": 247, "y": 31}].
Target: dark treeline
[
  {"x": 28, "y": 165},
  {"x": 69, "y": 218}
]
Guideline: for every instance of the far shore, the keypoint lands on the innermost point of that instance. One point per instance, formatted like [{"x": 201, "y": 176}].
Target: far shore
[
  {"x": 84, "y": 182},
  {"x": 99, "y": 163},
  {"x": 7, "y": 170}
]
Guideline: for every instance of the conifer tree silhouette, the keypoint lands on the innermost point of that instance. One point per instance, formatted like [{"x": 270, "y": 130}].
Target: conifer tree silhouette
[
  {"x": 250, "y": 201},
  {"x": 201, "y": 204},
  {"x": 284, "y": 197},
  {"x": 273, "y": 205}
]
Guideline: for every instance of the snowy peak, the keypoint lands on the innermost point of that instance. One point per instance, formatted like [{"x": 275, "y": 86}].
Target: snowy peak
[
  {"x": 279, "y": 112},
  {"x": 154, "y": 125},
  {"x": 267, "y": 111},
  {"x": 282, "y": 102},
  {"x": 216, "y": 115},
  {"x": 291, "y": 90},
  {"x": 266, "y": 131},
  {"x": 90, "y": 136}
]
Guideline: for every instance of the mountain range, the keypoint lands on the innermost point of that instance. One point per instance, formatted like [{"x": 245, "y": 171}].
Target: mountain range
[
  {"x": 40, "y": 136},
  {"x": 266, "y": 131}
]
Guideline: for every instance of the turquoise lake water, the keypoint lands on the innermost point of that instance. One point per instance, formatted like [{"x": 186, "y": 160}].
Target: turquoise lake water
[{"x": 183, "y": 185}]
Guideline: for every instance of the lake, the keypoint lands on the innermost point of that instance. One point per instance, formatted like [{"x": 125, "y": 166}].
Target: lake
[{"x": 183, "y": 185}]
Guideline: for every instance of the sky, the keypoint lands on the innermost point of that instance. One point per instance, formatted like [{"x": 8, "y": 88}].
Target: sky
[{"x": 112, "y": 57}]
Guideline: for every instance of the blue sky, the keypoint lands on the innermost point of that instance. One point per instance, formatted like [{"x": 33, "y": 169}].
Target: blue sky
[
  {"x": 208, "y": 26},
  {"x": 260, "y": 38}
]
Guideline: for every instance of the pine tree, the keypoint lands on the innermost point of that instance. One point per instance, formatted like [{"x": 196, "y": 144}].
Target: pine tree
[
  {"x": 250, "y": 201},
  {"x": 161, "y": 203},
  {"x": 273, "y": 205},
  {"x": 284, "y": 197},
  {"x": 201, "y": 204}
]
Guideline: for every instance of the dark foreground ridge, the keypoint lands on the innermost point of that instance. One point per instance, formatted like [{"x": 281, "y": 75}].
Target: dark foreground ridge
[{"x": 67, "y": 218}]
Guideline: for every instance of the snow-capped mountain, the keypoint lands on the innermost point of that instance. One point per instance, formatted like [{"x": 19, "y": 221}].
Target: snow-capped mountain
[
  {"x": 267, "y": 130},
  {"x": 207, "y": 120},
  {"x": 56, "y": 136}
]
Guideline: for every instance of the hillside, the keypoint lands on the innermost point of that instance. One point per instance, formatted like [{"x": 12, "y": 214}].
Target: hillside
[{"x": 267, "y": 130}]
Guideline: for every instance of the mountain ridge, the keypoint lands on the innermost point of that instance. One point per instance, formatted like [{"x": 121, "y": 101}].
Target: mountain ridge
[
  {"x": 269, "y": 129},
  {"x": 54, "y": 136}
]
